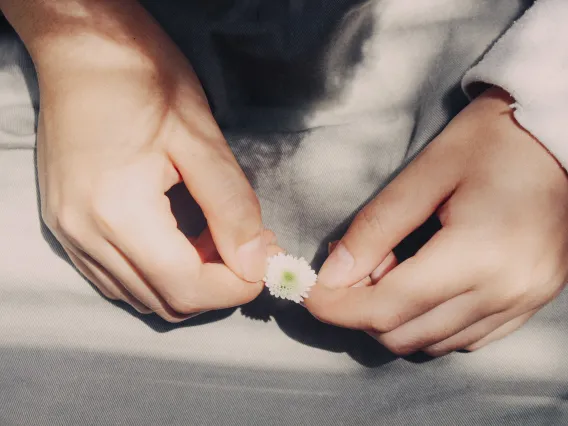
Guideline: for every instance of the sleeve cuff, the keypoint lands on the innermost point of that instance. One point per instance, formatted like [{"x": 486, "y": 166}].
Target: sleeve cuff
[{"x": 530, "y": 62}]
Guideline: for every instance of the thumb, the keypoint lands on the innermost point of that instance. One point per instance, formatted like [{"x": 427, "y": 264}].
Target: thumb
[
  {"x": 402, "y": 206},
  {"x": 230, "y": 205}
]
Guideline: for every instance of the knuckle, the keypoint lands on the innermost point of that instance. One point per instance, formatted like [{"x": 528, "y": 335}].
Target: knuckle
[
  {"x": 545, "y": 286},
  {"x": 106, "y": 214},
  {"x": 546, "y": 294},
  {"x": 70, "y": 224},
  {"x": 493, "y": 261},
  {"x": 398, "y": 346},
  {"x": 435, "y": 352},
  {"x": 183, "y": 305},
  {"x": 164, "y": 263},
  {"x": 239, "y": 206},
  {"x": 504, "y": 283},
  {"x": 441, "y": 348},
  {"x": 512, "y": 295},
  {"x": 372, "y": 217},
  {"x": 48, "y": 210},
  {"x": 385, "y": 323},
  {"x": 48, "y": 218}
]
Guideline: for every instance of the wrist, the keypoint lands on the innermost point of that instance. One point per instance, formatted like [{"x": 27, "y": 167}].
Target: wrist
[{"x": 69, "y": 35}]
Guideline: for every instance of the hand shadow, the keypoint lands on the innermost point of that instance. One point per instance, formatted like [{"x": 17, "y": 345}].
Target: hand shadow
[
  {"x": 297, "y": 323},
  {"x": 294, "y": 320},
  {"x": 190, "y": 221}
]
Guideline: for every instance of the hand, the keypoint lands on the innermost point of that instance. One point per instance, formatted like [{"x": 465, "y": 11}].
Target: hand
[
  {"x": 121, "y": 122},
  {"x": 502, "y": 252}
]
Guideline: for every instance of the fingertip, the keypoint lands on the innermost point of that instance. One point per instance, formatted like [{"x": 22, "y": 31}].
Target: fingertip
[
  {"x": 142, "y": 310},
  {"x": 269, "y": 237}
]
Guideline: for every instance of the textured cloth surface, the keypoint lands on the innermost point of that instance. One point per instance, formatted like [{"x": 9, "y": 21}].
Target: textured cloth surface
[{"x": 69, "y": 357}]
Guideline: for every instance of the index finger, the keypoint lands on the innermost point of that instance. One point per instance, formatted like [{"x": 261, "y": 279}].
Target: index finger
[
  {"x": 401, "y": 207},
  {"x": 162, "y": 254},
  {"x": 214, "y": 178},
  {"x": 434, "y": 275}
]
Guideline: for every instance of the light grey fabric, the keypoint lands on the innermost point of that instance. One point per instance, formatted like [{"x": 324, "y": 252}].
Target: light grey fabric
[
  {"x": 325, "y": 100},
  {"x": 19, "y": 95},
  {"x": 69, "y": 357}
]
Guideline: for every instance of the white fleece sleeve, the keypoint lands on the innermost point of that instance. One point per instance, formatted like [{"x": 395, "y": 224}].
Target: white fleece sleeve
[{"x": 530, "y": 62}]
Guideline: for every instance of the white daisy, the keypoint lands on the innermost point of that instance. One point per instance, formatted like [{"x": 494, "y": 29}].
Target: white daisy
[{"x": 289, "y": 278}]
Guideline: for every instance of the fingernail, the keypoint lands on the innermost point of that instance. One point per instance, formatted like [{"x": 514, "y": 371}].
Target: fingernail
[
  {"x": 335, "y": 270},
  {"x": 252, "y": 259}
]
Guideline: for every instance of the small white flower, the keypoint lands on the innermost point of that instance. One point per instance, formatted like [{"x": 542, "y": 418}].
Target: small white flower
[{"x": 289, "y": 278}]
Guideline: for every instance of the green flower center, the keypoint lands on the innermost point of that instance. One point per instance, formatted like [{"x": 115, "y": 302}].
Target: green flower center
[
  {"x": 288, "y": 282},
  {"x": 288, "y": 276}
]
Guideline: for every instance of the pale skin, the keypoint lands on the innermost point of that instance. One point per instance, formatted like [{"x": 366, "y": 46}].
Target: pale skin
[
  {"x": 500, "y": 256},
  {"x": 119, "y": 128}
]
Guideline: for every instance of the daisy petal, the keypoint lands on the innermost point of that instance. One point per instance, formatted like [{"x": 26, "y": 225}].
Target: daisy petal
[{"x": 288, "y": 277}]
